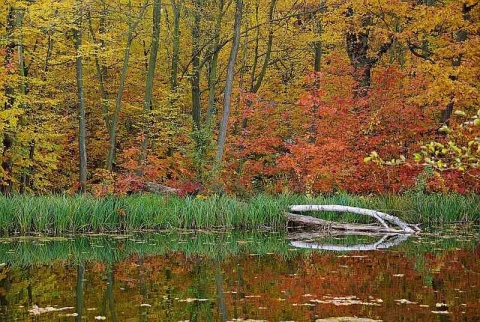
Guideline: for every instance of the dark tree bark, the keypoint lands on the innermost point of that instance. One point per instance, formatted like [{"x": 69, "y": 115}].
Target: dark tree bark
[
  {"x": 7, "y": 142},
  {"x": 213, "y": 64},
  {"x": 258, "y": 82},
  {"x": 152, "y": 63},
  {"x": 358, "y": 47},
  {"x": 196, "y": 51},
  {"x": 177, "y": 9},
  {"x": 132, "y": 26},
  {"x": 81, "y": 100},
  {"x": 222, "y": 136}
]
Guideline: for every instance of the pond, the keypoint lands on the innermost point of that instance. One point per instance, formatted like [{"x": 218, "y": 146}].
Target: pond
[{"x": 214, "y": 276}]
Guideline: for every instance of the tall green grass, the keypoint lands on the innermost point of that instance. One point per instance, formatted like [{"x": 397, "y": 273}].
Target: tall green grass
[{"x": 59, "y": 214}]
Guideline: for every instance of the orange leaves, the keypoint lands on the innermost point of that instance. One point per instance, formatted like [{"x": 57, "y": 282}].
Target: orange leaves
[
  {"x": 300, "y": 131},
  {"x": 102, "y": 182}
]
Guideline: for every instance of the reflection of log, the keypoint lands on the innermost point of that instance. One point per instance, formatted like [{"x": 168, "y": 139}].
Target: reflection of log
[
  {"x": 381, "y": 217},
  {"x": 383, "y": 243},
  {"x": 318, "y": 234}
]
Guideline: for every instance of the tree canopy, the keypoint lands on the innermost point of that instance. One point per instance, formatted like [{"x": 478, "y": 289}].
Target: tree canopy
[{"x": 253, "y": 95}]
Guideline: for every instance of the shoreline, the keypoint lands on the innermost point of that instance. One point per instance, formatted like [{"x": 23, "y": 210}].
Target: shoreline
[{"x": 60, "y": 214}]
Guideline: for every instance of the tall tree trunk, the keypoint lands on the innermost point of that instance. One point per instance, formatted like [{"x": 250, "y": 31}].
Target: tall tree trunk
[
  {"x": 9, "y": 52},
  {"x": 7, "y": 142},
  {"x": 118, "y": 103},
  {"x": 317, "y": 45},
  {"x": 461, "y": 36},
  {"x": 27, "y": 174},
  {"x": 256, "y": 81},
  {"x": 241, "y": 82},
  {"x": 132, "y": 25},
  {"x": 256, "y": 48},
  {"x": 101, "y": 69},
  {"x": 20, "y": 55},
  {"x": 25, "y": 177},
  {"x": 152, "y": 63},
  {"x": 227, "y": 96},
  {"x": 196, "y": 103},
  {"x": 81, "y": 99},
  {"x": 177, "y": 9},
  {"x": 212, "y": 72},
  {"x": 357, "y": 49},
  {"x": 256, "y": 85}
]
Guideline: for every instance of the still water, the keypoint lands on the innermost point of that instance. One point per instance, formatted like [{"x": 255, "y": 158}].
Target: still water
[{"x": 205, "y": 276}]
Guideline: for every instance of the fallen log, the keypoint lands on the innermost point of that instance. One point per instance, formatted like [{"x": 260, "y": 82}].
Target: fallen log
[
  {"x": 158, "y": 188},
  {"x": 381, "y": 217}
]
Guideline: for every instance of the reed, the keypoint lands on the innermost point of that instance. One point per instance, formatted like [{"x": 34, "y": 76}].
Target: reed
[{"x": 60, "y": 214}]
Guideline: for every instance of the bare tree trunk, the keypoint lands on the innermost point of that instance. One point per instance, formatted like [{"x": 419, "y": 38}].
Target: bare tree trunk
[
  {"x": 147, "y": 104},
  {"x": 196, "y": 103},
  {"x": 227, "y": 96},
  {"x": 81, "y": 99},
  {"x": 21, "y": 56},
  {"x": 23, "y": 91},
  {"x": 256, "y": 81},
  {"x": 358, "y": 47},
  {"x": 101, "y": 69},
  {"x": 126, "y": 56},
  {"x": 177, "y": 9},
  {"x": 317, "y": 45},
  {"x": 461, "y": 36},
  {"x": 27, "y": 175},
  {"x": 266, "y": 61},
  {"x": 212, "y": 72},
  {"x": 256, "y": 48},
  {"x": 7, "y": 142}
]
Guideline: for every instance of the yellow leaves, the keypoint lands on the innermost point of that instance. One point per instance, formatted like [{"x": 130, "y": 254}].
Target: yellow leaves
[
  {"x": 445, "y": 129},
  {"x": 374, "y": 157},
  {"x": 9, "y": 118}
]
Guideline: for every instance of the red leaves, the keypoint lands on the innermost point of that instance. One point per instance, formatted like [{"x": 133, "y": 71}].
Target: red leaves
[
  {"x": 190, "y": 188},
  {"x": 319, "y": 145}
]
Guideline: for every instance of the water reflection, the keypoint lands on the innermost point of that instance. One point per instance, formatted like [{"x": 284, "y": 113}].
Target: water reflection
[
  {"x": 386, "y": 241},
  {"x": 224, "y": 277},
  {"x": 79, "y": 293}
]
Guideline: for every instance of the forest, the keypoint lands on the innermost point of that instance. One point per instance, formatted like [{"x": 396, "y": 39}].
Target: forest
[{"x": 240, "y": 96}]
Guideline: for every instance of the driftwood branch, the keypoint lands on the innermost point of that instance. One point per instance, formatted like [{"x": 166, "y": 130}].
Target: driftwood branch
[{"x": 381, "y": 217}]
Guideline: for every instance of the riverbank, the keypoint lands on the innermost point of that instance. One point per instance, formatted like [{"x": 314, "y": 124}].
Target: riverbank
[{"x": 59, "y": 214}]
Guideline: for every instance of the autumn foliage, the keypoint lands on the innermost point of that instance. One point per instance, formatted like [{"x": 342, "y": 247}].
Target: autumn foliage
[{"x": 354, "y": 96}]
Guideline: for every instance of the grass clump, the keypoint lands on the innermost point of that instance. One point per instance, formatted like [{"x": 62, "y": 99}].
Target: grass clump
[{"x": 59, "y": 214}]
